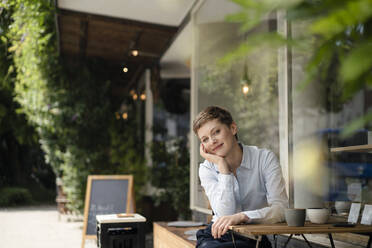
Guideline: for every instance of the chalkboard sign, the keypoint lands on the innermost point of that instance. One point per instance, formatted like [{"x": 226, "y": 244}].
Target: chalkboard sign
[{"x": 106, "y": 195}]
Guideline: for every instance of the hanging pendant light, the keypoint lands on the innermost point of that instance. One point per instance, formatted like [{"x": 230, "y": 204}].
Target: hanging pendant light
[{"x": 246, "y": 83}]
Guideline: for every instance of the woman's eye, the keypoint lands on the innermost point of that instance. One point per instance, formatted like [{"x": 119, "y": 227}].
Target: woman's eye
[
  {"x": 217, "y": 131},
  {"x": 204, "y": 140}
]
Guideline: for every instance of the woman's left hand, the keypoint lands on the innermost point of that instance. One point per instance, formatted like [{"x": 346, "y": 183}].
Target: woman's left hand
[{"x": 221, "y": 226}]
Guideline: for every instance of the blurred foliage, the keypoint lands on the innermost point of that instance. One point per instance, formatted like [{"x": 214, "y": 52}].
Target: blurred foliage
[
  {"x": 171, "y": 174},
  {"x": 256, "y": 111},
  {"x": 336, "y": 34},
  {"x": 68, "y": 102},
  {"x": 21, "y": 159},
  {"x": 125, "y": 155},
  {"x": 14, "y": 196}
]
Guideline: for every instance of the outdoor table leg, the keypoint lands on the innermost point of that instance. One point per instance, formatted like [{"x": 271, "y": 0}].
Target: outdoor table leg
[
  {"x": 257, "y": 238},
  {"x": 258, "y": 241},
  {"x": 369, "y": 241},
  {"x": 331, "y": 240},
  {"x": 233, "y": 239},
  {"x": 308, "y": 243},
  {"x": 289, "y": 238}
]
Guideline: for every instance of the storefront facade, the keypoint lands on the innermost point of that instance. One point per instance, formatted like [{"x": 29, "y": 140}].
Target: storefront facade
[{"x": 300, "y": 125}]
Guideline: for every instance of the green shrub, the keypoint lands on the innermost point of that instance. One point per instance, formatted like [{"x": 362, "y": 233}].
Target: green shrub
[
  {"x": 69, "y": 104},
  {"x": 41, "y": 195},
  {"x": 171, "y": 174},
  {"x": 13, "y": 196}
]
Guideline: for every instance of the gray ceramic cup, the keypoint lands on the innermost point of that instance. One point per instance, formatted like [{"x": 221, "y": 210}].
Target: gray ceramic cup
[{"x": 295, "y": 216}]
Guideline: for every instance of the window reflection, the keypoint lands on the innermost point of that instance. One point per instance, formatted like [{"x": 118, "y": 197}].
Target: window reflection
[{"x": 255, "y": 110}]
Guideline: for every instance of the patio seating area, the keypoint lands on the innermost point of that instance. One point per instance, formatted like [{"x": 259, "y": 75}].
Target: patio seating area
[{"x": 145, "y": 112}]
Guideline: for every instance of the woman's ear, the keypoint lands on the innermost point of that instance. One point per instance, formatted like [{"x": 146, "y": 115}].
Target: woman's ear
[{"x": 234, "y": 128}]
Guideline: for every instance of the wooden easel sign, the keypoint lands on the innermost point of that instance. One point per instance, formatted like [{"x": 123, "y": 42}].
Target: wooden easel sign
[{"x": 106, "y": 194}]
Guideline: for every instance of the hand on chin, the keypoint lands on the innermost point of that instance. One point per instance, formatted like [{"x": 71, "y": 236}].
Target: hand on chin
[{"x": 211, "y": 156}]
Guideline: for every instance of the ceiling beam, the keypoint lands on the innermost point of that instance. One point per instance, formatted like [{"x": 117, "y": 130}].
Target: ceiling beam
[
  {"x": 142, "y": 25},
  {"x": 83, "y": 37}
]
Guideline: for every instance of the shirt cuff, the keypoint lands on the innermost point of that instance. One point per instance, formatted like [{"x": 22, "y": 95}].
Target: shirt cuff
[{"x": 253, "y": 215}]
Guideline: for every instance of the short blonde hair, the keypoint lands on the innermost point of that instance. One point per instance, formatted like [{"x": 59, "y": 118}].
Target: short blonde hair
[{"x": 212, "y": 113}]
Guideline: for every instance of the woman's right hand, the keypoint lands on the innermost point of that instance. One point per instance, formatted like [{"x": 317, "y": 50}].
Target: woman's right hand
[{"x": 215, "y": 159}]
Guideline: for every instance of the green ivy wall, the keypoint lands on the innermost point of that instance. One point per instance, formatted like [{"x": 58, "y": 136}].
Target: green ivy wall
[{"x": 68, "y": 104}]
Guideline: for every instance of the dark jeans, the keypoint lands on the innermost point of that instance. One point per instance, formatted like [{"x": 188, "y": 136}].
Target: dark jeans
[{"x": 206, "y": 240}]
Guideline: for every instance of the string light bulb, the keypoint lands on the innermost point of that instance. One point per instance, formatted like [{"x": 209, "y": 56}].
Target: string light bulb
[
  {"x": 135, "y": 96},
  {"x": 245, "y": 89},
  {"x": 135, "y": 52},
  {"x": 143, "y": 96},
  {"x": 125, "y": 69},
  {"x": 125, "y": 115}
]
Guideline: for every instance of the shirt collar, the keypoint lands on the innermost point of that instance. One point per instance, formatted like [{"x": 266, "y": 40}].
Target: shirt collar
[{"x": 245, "y": 158}]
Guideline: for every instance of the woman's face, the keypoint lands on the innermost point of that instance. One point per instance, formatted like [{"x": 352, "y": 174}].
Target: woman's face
[{"x": 217, "y": 138}]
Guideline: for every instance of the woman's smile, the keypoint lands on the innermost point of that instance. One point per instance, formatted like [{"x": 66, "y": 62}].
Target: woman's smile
[{"x": 217, "y": 147}]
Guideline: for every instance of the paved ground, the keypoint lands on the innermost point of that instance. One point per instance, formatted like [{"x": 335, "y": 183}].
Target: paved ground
[{"x": 39, "y": 227}]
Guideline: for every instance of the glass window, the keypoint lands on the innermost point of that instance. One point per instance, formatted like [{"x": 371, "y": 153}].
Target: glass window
[
  {"x": 247, "y": 88},
  {"x": 321, "y": 175}
]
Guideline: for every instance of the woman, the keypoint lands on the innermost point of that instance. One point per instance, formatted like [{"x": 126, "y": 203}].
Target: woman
[{"x": 244, "y": 184}]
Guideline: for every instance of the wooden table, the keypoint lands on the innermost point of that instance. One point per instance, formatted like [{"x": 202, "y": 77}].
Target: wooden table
[
  {"x": 256, "y": 231},
  {"x": 169, "y": 237}
]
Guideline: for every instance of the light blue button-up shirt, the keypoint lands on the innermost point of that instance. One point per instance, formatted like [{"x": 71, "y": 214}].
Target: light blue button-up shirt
[{"x": 258, "y": 189}]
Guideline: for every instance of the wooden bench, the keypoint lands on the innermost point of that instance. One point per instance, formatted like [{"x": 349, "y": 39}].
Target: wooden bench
[{"x": 171, "y": 237}]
